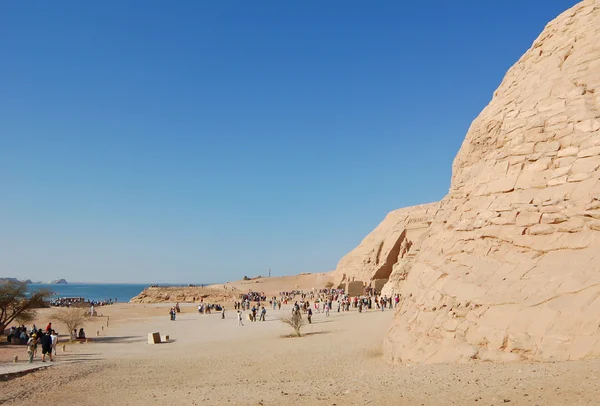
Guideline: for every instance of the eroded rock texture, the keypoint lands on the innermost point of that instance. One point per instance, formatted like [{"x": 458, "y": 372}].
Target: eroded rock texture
[
  {"x": 510, "y": 267},
  {"x": 383, "y": 254}
]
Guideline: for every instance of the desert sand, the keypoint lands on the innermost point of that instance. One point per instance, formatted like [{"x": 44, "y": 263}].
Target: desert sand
[{"x": 210, "y": 361}]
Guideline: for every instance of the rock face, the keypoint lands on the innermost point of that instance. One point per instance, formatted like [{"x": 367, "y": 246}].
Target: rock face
[
  {"x": 384, "y": 252},
  {"x": 509, "y": 268},
  {"x": 172, "y": 294}
]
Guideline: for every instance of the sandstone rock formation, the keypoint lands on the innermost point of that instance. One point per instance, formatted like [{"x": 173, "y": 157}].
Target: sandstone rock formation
[
  {"x": 384, "y": 252},
  {"x": 187, "y": 294},
  {"x": 510, "y": 267}
]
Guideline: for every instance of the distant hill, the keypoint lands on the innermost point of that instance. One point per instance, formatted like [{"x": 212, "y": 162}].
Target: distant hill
[
  {"x": 4, "y": 280},
  {"x": 29, "y": 281}
]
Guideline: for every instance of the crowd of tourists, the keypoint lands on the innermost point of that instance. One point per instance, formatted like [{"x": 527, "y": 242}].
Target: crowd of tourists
[
  {"x": 203, "y": 308},
  {"x": 80, "y": 302},
  {"x": 253, "y": 297},
  {"x": 308, "y": 303},
  {"x": 208, "y": 308},
  {"x": 36, "y": 340}
]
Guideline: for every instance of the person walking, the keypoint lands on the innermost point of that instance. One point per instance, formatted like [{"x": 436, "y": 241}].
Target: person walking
[
  {"x": 54, "y": 337},
  {"x": 46, "y": 342},
  {"x": 327, "y": 309},
  {"x": 31, "y": 347},
  {"x": 239, "y": 317},
  {"x": 223, "y": 313},
  {"x": 309, "y": 317}
]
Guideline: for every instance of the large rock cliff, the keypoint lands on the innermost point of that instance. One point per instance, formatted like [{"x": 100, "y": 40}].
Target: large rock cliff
[
  {"x": 382, "y": 254},
  {"x": 510, "y": 268}
]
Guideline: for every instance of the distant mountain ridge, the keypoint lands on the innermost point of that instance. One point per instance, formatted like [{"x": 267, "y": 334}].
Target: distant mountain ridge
[{"x": 29, "y": 281}]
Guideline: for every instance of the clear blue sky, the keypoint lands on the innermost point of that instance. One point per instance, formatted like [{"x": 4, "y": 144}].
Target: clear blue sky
[{"x": 191, "y": 141}]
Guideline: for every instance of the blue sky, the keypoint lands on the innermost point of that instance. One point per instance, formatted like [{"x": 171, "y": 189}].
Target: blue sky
[{"x": 190, "y": 141}]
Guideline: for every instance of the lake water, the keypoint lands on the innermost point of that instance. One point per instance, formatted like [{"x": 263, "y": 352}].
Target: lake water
[{"x": 93, "y": 291}]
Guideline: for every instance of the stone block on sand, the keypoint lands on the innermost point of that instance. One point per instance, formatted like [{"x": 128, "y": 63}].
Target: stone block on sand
[{"x": 154, "y": 338}]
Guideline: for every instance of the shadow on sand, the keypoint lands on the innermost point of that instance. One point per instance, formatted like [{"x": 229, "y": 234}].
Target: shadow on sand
[
  {"x": 314, "y": 333},
  {"x": 120, "y": 340}
]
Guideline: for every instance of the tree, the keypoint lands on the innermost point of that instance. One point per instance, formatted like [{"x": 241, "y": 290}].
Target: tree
[
  {"x": 295, "y": 321},
  {"x": 71, "y": 317},
  {"x": 17, "y": 304}
]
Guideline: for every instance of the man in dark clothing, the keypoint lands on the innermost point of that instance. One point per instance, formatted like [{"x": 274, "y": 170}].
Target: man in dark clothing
[{"x": 46, "y": 341}]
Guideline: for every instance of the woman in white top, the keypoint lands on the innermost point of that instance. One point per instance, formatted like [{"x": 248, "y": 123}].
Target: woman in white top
[{"x": 54, "y": 341}]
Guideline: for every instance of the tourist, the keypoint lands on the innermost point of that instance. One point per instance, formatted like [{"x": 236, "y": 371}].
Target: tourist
[
  {"x": 92, "y": 311},
  {"x": 74, "y": 335},
  {"x": 309, "y": 312},
  {"x": 177, "y": 308},
  {"x": 327, "y": 309},
  {"x": 54, "y": 341},
  {"x": 46, "y": 342},
  {"x": 49, "y": 327},
  {"x": 81, "y": 334},
  {"x": 223, "y": 313},
  {"x": 239, "y": 317},
  {"x": 38, "y": 335},
  {"x": 31, "y": 343},
  {"x": 263, "y": 312}
]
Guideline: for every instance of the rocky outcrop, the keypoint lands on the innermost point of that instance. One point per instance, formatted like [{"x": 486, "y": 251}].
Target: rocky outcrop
[
  {"x": 191, "y": 294},
  {"x": 510, "y": 266},
  {"x": 384, "y": 252}
]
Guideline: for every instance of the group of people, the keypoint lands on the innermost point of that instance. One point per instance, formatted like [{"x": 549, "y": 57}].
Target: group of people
[
  {"x": 203, "y": 308},
  {"x": 79, "y": 301},
  {"x": 46, "y": 339},
  {"x": 78, "y": 335},
  {"x": 323, "y": 301},
  {"x": 17, "y": 335},
  {"x": 208, "y": 308},
  {"x": 173, "y": 312},
  {"x": 253, "y": 297},
  {"x": 252, "y": 315}
]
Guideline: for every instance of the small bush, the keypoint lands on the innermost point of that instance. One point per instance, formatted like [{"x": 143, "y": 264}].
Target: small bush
[
  {"x": 296, "y": 322},
  {"x": 71, "y": 317}
]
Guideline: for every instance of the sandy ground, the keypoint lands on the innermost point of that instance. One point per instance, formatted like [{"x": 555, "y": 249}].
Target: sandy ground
[{"x": 215, "y": 362}]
